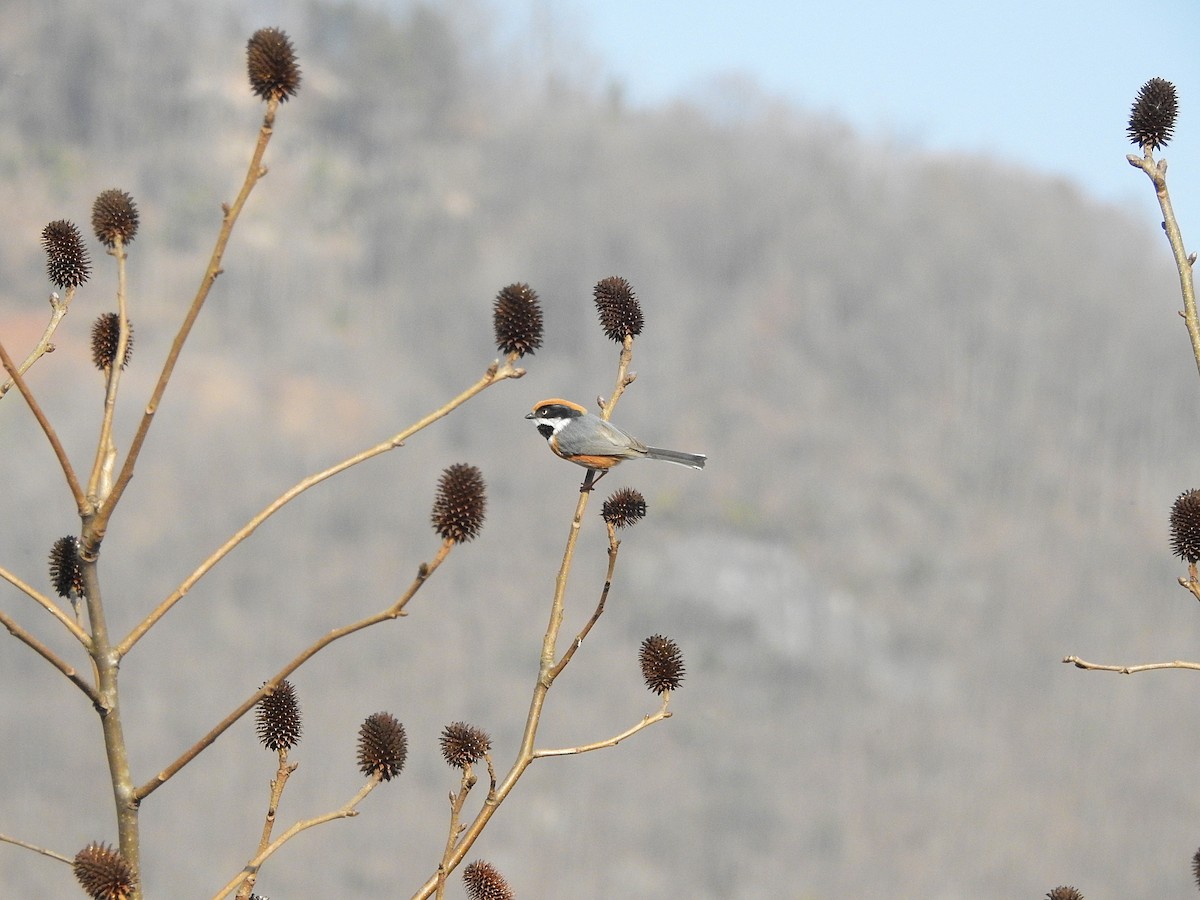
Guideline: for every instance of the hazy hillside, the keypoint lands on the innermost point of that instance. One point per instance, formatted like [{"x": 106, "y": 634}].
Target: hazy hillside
[{"x": 947, "y": 405}]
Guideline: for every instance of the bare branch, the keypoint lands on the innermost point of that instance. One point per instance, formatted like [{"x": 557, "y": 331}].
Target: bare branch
[
  {"x": 613, "y": 546},
  {"x": 1156, "y": 171},
  {"x": 100, "y": 482},
  {"x": 49, "y": 605},
  {"x": 1130, "y": 670},
  {"x": 495, "y": 373},
  {"x": 50, "y": 656},
  {"x": 343, "y": 812},
  {"x": 51, "y": 435},
  {"x": 5, "y": 839},
  {"x": 95, "y": 534},
  {"x": 58, "y": 309},
  {"x": 646, "y": 722},
  {"x": 392, "y": 612},
  {"x": 278, "y": 783},
  {"x": 547, "y": 669}
]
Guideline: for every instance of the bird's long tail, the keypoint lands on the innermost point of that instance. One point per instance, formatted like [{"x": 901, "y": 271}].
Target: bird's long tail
[{"x": 691, "y": 460}]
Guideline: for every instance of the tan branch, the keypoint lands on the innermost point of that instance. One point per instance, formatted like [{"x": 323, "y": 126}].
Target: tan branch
[
  {"x": 50, "y": 656},
  {"x": 108, "y": 706},
  {"x": 81, "y": 502},
  {"x": 495, "y": 373},
  {"x": 613, "y": 545},
  {"x": 100, "y": 482},
  {"x": 5, "y": 839},
  {"x": 254, "y": 172},
  {"x": 343, "y": 812},
  {"x": 624, "y": 379},
  {"x": 1156, "y": 171},
  {"x": 392, "y": 612},
  {"x": 456, "y": 805},
  {"x": 547, "y": 669},
  {"x": 646, "y": 722},
  {"x": 1130, "y": 670},
  {"x": 278, "y": 783},
  {"x": 58, "y": 309},
  {"x": 49, "y": 605}
]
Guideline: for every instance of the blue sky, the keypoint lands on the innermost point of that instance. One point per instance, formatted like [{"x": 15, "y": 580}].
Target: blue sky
[{"x": 1044, "y": 84}]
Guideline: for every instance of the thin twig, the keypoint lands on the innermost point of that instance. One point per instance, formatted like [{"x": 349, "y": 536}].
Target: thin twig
[
  {"x": 646, "y": 722},
  {"x": 100, "y": 481},
  {"x": 456, "y": 805},
  {"x": 81, "y": 502},
  {"x": 491, "y": 775},
  {"x": 49, "y": 605},
  {"x": 278, "y": 783},
  {"x": 471, "y": 834},
  {"x": 1156, "y": 171},
  {"x": 58, "y": 309},
  {"x": 495, "y": 373},
  {"x": 4, "y": 838},
  {"x": 50, "y": 656},
  {"x": 624, "y": 379},
  {"x": 1130, "y": 670},
  {"x": 613, "y": 546},
  {"x": 392, "y": 612},
  {"x": 344, "y": 812}
]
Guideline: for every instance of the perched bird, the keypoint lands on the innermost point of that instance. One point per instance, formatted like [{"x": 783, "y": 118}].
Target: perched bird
[{"x": 587, "y": 440}]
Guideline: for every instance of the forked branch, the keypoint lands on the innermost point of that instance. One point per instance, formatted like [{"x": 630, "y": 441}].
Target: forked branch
[
  {"x": 58, "y": 309},
  {"x": 347, "y": 810},
  {"x": 495, "y": 373},
  {"x": 392, "y": 612},
  {"x": 99, "y": 525}
]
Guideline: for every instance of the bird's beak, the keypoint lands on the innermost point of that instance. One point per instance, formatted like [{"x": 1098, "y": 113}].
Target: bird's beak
[{"x": 530, "y": 416}]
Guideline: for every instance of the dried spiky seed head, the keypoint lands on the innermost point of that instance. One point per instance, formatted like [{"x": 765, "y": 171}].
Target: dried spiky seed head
[
  {"x": 1152, "y": 118},
  {"x": 1064, "y": 892},
  {"x": 106, "y": 338},
  {"x": 517, "y": 317},
  {"x": 1196, "y": 867},
  {"x": 460, "y": 504},
  {"x": 271, "y": 64},
  {"x": 382, "y": 746},
  {"x": 624, "y": 507},
  {"x": 66, "y": 572},
  {"x": 1185, "y": 526},
  {"x": 103, "y": 873},
  {"x": 484, "y": 882},
  {"x": 464, "y": 745},
  {"x": 67, "y": 262},
  {"x": 278, "y": 718},
  {"x": 114, "y": 215},
  {"x": 620, "y": 312},
  {"x": 662, "y": 664}
]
